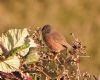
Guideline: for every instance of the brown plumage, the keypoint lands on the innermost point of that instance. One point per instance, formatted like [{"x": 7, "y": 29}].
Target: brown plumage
[{"x": 55, "y": 41}]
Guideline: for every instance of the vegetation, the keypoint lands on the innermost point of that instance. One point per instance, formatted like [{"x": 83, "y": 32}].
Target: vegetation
[
  {"x": 81, "y": 17},
  {"x": 28, "y": 58}
]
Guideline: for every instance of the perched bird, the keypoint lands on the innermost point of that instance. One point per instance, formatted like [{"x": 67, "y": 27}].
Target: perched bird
[{"x": 55, "y": 41}]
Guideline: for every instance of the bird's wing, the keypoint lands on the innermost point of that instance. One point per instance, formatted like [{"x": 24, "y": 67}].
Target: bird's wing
[{"x": 59, "y": 38}]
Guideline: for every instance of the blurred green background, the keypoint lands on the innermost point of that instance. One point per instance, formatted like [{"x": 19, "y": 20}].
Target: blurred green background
[{"x": 81, "y": 17}]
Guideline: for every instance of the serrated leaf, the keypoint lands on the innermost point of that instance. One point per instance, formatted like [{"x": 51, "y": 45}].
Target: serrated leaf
[
  {"x": 15, "y": 38},
  {"x": 12, "y": 42},
  {"x": 10, "y": 65},
  {"x": 32, "y": 56},
  {"x": 18, "y": 49}
]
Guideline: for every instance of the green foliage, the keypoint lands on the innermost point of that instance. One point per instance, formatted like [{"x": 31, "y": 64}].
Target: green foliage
[
  {"x": 14, "y": 43},
  {"x": 32, "y": 56},
  {"x": 37, "y": 62},
  {"x": 16, "y": 50}
]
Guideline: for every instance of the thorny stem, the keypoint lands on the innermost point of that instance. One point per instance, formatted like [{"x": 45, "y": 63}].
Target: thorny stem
[
  {"x": 78, "y": 69},
  {"x": 39, "y": 71},
  {"x": 43, "y": 73},
  {"x": 74, "y": 37},
  {"x": 78, "y": 72}
]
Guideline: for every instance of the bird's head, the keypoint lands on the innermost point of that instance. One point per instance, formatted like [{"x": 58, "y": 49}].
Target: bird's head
[{"x": 46, "y": 29}]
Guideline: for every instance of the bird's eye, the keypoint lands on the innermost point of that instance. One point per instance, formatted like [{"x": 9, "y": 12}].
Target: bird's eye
[{"x": 46, "y": 29}]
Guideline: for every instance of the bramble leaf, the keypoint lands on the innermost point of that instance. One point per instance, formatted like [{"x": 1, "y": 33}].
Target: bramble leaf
[
  {"x": 32, "y": 56},
  {"x": 10, "y": 64},
  {"x": 14, "y": 41}
]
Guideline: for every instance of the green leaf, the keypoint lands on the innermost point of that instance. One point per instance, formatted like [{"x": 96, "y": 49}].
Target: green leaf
[
  {"x": 32, "y": 56},
  {"x": 15, "y": 40},
  {"x": 18, "y": 49},
  {"x": 12, "y": 42},
  {"x": 10, "y": 64},
  {"x": 34, "y": 76}
]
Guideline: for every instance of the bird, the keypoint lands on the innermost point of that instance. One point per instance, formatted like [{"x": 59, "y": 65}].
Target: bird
[{"x": 54, "y": 40}]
